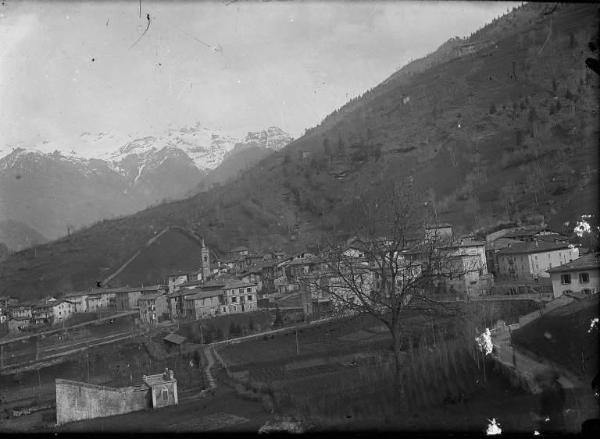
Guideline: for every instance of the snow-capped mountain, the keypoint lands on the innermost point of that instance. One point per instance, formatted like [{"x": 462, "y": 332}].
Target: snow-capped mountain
[
  {"x": 51, "y": 192},
  {"x": 206, "y": 148}
]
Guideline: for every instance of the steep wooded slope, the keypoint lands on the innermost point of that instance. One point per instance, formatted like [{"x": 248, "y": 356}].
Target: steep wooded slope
[{"x": 502, "y": 126}]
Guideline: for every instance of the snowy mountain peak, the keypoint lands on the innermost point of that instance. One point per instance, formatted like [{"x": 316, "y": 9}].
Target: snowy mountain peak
[{"x": 272, "y": 138}]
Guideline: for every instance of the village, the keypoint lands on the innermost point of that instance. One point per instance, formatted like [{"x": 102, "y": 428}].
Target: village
[{"x": 517, "y": 261}]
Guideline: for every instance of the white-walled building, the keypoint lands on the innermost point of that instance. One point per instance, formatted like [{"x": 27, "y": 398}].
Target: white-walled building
[
  {"x": 580, "y": 276},
  {"x": 62, "y": 310},
  {"x": 240, "y": 297},
  {"x": 532, "y": 260}
]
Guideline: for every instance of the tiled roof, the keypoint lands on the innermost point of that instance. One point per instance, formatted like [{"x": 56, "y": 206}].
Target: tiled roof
[
  {"x": 438, "y": 226},
  {"x": 532, "y": 247},
  {"x": 586, "y": 262},
  {"x": 501, "y": 243},
  {"x": 174, "y": 338},
  {"x": 204, "y": 294},
  {"x": 191, "y": 283}
]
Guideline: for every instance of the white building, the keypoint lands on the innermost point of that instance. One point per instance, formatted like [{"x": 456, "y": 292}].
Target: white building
[
  {"x": 580, "y": 276},
  {"x": 240, "y": 297},
  {"x": 62, "y": 310},
  {"x": 532, "y": 260}
]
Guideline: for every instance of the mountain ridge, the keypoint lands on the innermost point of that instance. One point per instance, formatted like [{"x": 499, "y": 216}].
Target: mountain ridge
[
  {"x": 142, "y": 172},
  {"x": 506, "y": 133}
]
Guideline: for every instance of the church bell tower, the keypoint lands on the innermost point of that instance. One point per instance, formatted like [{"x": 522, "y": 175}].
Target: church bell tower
[{"x": 205, "y": 263}]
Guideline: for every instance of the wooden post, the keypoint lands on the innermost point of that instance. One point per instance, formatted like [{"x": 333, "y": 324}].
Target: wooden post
[
  {"x": 297, "y": 344},
  {"x": 37, "y": 347}
]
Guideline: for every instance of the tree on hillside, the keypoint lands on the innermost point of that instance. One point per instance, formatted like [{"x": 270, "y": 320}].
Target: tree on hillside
[
  {"x": 341, "y": 147},
  {"x": 393, "y": 265}
]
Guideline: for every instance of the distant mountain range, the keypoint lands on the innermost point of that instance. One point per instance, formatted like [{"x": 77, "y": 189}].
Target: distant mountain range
[{"x": 48, "y": 195}]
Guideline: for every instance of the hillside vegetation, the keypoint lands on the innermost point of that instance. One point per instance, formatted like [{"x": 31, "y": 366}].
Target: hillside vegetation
[{"x": 501, "y": 126}]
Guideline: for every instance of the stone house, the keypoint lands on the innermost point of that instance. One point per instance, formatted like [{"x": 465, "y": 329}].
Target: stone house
[
  {"x": 125, "y": 299},
  {"x": 580, "y": 276},
  {"x": 42, "y": 313},
  {"x": 529, "y": 261},
  {"x": 99, "y": 299},
  {"x": 62, "y": 310},
  {"x": 238, "y": 252},
  {"x": 21, "y": 311},
  {"x": 240, "y": 297},
  {"x": 491, "y": 252},
  {"x": 18, "y": 324},
  {"x": 153, "y": 308},
  {"x": 467, "y": 264},
  {"x": 78, "y": 299},
  {"x": 206, "y": 303}
]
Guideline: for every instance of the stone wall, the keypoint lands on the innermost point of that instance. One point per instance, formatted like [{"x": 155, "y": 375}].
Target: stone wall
[{"x": 77, "y": 401}]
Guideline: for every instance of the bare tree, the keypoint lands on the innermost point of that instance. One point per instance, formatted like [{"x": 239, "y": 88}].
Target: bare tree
[{"x": 395, "y": 262}]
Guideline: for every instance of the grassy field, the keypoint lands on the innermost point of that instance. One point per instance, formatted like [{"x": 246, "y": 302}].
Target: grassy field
[
  {"x": 343, "y": 375},
  {"x": 565, "y": 337}
]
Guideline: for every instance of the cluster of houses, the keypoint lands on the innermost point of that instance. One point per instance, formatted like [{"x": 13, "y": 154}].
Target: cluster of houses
[{"x": 526, "y": 255}]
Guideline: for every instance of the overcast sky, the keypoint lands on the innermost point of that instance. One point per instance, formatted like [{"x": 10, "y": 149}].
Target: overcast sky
[{"x": 68, "y": 68}]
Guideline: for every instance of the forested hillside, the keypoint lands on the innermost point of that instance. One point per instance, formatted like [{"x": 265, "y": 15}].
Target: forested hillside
[{"x": 501, "y": 126}]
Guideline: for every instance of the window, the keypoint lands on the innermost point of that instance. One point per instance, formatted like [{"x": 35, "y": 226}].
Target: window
[
  {"x": 250, "y": 298},
  {"x": 165, "y": 394},
  {"x": 234, "y": 299},
  {"x": 586, "y": 291},
  {"x": 584, "y": 278},
  {"x": 565, "y": 279},
  {"x": 248, "y": 290},
  {"x": 241, "y": 291}
]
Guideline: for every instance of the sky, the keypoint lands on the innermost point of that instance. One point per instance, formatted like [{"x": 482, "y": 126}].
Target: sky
[{"x": 68, "y": 68}]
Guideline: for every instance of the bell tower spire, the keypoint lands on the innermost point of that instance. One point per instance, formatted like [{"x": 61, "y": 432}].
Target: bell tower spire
[{"x": 205, "y": 262}]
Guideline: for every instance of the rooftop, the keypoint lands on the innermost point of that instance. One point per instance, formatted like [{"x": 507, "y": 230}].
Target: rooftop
[
  {"x": 533, "y": 247},
  {"x": 102, "y": 291},
  {"x": 174, "y": 338},
  {"x": 501, "y": 243},
  {"x": 204, "y": 294},
  {"x": 437, "y": 226},
  {"x": 587, "y": 262},
  {"x": 153, "y": 380}
]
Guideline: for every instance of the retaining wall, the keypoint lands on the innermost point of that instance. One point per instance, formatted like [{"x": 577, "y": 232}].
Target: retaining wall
[{"x": 76, "y": 401}]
